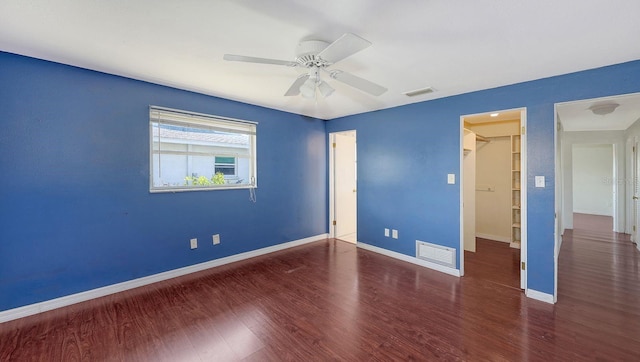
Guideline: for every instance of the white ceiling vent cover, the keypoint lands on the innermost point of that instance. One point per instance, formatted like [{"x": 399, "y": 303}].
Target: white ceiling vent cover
[
  {"x": 418, "y": 92},
  {"x": 436, "y": 254}
]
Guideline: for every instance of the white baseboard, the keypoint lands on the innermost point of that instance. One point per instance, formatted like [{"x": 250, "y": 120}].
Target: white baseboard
[
  {"x": 410, "y": 259},
  {"x": 589, "y": 212},
  {"x": 47, "y": 305},
  {"x": 543, "y": 297},
  {"x": 504, "y": 239}
]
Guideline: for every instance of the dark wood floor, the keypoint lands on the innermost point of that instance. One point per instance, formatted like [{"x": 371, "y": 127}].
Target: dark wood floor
[
  {"x": 331, "y": 301},
  {"x": 493, "y": 262},
  {"x": 599, "y": 290}
]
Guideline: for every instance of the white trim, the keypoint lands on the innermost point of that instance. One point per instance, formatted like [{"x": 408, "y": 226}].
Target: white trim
[
  {"x": 502, "y": 239},
  {"x": 631, "y": 142},
  {"x": 524, "y": 209},
  {"x": 332, "y": 180},
  {"x": 543, "y": 297},
  {"x": 460, "y": 179},
  {"x": 558, "y": 197},
  {"x": 51, "y": 304},
  {"x": 410, "y": 259},
  {"x": 523, "y": 191},
  {"x": 332, "y": 185}
]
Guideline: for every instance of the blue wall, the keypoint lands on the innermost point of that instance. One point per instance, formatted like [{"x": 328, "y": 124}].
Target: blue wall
[
  {"x": 76, "y": 213},
  {"x": 75, "y": 207},
  {"x": 405, "y": 154}
]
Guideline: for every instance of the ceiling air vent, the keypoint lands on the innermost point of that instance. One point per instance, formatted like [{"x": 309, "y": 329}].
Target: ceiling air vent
[{"x": 419, "y": 92}]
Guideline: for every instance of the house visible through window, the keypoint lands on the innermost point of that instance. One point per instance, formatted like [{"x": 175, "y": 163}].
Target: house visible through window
[
  {"x": 226, "y": 165},
  {"x": 192, "y": 151}
]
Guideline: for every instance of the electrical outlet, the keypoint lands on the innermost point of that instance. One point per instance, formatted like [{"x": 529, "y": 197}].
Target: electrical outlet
[
  {"x": 386, "y": 232},
  {"x": 394, "y": 233},
  {"x": 216, "y": 239},
  {"x": 194, "y": 243}
]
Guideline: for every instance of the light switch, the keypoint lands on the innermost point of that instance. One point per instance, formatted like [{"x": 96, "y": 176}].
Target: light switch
[
  {"x": 539, "y": 181},
  {"x": 451, "y": 178}
]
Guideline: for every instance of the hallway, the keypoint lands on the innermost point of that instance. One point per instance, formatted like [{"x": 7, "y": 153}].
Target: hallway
[{"x": 599, "y": 290}]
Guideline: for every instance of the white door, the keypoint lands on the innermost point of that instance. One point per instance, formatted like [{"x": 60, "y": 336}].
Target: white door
[
  {"x": 636, "y": 180},
  {"x": 469, "y": 190},
  {"x": 345, "y": 190}
]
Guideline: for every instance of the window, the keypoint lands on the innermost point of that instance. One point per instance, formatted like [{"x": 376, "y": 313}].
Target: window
[
  {"x": 225, "y": 165},
  {"x": 192, "y": 151}
]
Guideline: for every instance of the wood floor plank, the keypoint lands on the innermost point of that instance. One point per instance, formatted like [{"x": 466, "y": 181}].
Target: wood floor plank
[{"x": 329, "y": 300}]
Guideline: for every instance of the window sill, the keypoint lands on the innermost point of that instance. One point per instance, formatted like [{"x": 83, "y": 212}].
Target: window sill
[{"x": 188, "y": 189}]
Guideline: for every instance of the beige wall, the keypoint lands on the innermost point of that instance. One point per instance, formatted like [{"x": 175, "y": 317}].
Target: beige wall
[
  {"x": 617, "y": 138},
  {"x": 493, "y": 180},
  {"x": 593, "y": 179},
  {"x": 496, "y": 129}
]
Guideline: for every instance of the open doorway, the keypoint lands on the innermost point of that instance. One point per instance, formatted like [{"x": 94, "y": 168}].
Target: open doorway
[
  {"x": 597, "y": 169},
  {"x": 593, "y": 186},
  {"x": 493, "y": 195},
  {"x": 600, "y": 121},
  {"x": 343, "y": 165}
]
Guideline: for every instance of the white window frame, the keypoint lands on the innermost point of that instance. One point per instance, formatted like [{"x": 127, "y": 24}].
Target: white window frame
[{"x": 168, "y": 116}]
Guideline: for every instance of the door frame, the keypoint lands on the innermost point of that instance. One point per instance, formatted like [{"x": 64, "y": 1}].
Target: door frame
[
  {"x": 635, "y": 189},
  {"x": 523, "y": 191},
  {"x": 332, "y": 180},
  {"x": 558, "y": 202}
]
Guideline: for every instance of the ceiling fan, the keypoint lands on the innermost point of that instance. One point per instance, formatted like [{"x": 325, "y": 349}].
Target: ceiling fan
[{"x": 318, "y": 56}]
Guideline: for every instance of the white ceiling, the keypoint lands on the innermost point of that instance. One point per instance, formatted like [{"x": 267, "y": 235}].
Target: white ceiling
[
  {"x": 454, "y": 46},
  {"x": 576, "y": 116}
]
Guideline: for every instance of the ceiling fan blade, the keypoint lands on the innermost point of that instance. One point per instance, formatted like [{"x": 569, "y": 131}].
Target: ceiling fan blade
[
  {"x": 345, "y": 46},
  {"x": 242, "y": 58},
  {"x": 294, "y": 90},
  {"x": 357, "y": 82}
]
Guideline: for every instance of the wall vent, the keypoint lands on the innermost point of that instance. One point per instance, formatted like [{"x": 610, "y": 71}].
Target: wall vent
[
  {"x": 436, "y": 253},
  {"x": 419, "y": 92}
]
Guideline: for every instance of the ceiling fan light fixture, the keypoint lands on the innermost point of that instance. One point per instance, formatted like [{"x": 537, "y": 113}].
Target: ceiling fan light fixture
[
  {"x": 325, "y": 89},
  {"x": 318, "y": 55},
  {"x": 602, "y": 109},
  {"x": 308, "y": 88}
]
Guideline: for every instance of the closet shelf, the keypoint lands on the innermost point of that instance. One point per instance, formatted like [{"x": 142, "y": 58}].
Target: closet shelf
[
  {"x": 482, "y": 138},
  {"x": 515, "y": 191}
]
